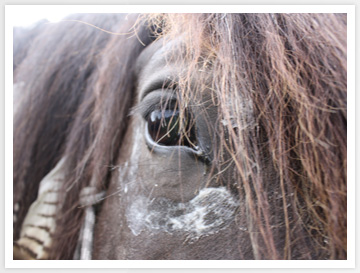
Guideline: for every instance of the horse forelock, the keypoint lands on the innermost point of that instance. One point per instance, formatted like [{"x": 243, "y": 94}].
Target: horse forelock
[{"x": 290, "y": 71}]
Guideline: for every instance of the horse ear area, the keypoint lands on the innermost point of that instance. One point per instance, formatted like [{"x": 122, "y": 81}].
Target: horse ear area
[{"x": 40, "y": 222}]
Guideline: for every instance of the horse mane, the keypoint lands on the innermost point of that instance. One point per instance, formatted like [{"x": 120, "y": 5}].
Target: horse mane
[
  {"x": 56, "y": 117},
  {"x": 286, "y": 71}
]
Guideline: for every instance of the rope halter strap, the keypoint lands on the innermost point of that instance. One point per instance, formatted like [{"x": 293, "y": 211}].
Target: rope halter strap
[{"x": 89, "y": 196}]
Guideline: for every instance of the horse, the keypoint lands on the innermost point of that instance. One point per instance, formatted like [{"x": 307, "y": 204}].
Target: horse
[{"x": 181, "y": 136}]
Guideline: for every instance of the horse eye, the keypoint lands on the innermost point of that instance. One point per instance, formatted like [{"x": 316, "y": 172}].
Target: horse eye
[{"x": 167, "y": 128}]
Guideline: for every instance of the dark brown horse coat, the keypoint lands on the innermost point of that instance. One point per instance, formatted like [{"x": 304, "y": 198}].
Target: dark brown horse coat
[{"x": 181, "y": 136}]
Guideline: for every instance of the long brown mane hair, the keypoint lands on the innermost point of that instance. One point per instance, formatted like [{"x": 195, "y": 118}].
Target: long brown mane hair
[{"x": 279, "y": 81}]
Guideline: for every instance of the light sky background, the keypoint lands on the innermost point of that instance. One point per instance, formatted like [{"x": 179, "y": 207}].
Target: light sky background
[{"x": 26, "y": 19}]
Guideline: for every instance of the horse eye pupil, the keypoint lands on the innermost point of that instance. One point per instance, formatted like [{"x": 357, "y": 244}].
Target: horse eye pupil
[{"x": 164, "y": 127}]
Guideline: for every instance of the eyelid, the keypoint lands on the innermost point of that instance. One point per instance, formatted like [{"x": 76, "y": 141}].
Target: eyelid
[
  {"x": 153, "y": 101},
  {"x": 158, "y": 84}
]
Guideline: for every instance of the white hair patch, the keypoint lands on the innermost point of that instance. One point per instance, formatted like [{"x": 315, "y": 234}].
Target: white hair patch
[{"x": 210, "y": 211}]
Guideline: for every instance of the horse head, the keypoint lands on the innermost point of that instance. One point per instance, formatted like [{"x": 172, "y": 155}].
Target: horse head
[{"x": 182, "y": 136}]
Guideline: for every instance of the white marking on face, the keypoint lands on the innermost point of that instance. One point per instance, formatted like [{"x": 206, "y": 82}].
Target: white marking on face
[{"x": 210, "y": 211}]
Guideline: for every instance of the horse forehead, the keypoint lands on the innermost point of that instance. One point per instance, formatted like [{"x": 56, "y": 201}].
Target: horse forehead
[
  {"x": 156, "y": 52},
  {"x": 146, "y": 55},
  {"x": 154, "y": 63}
]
